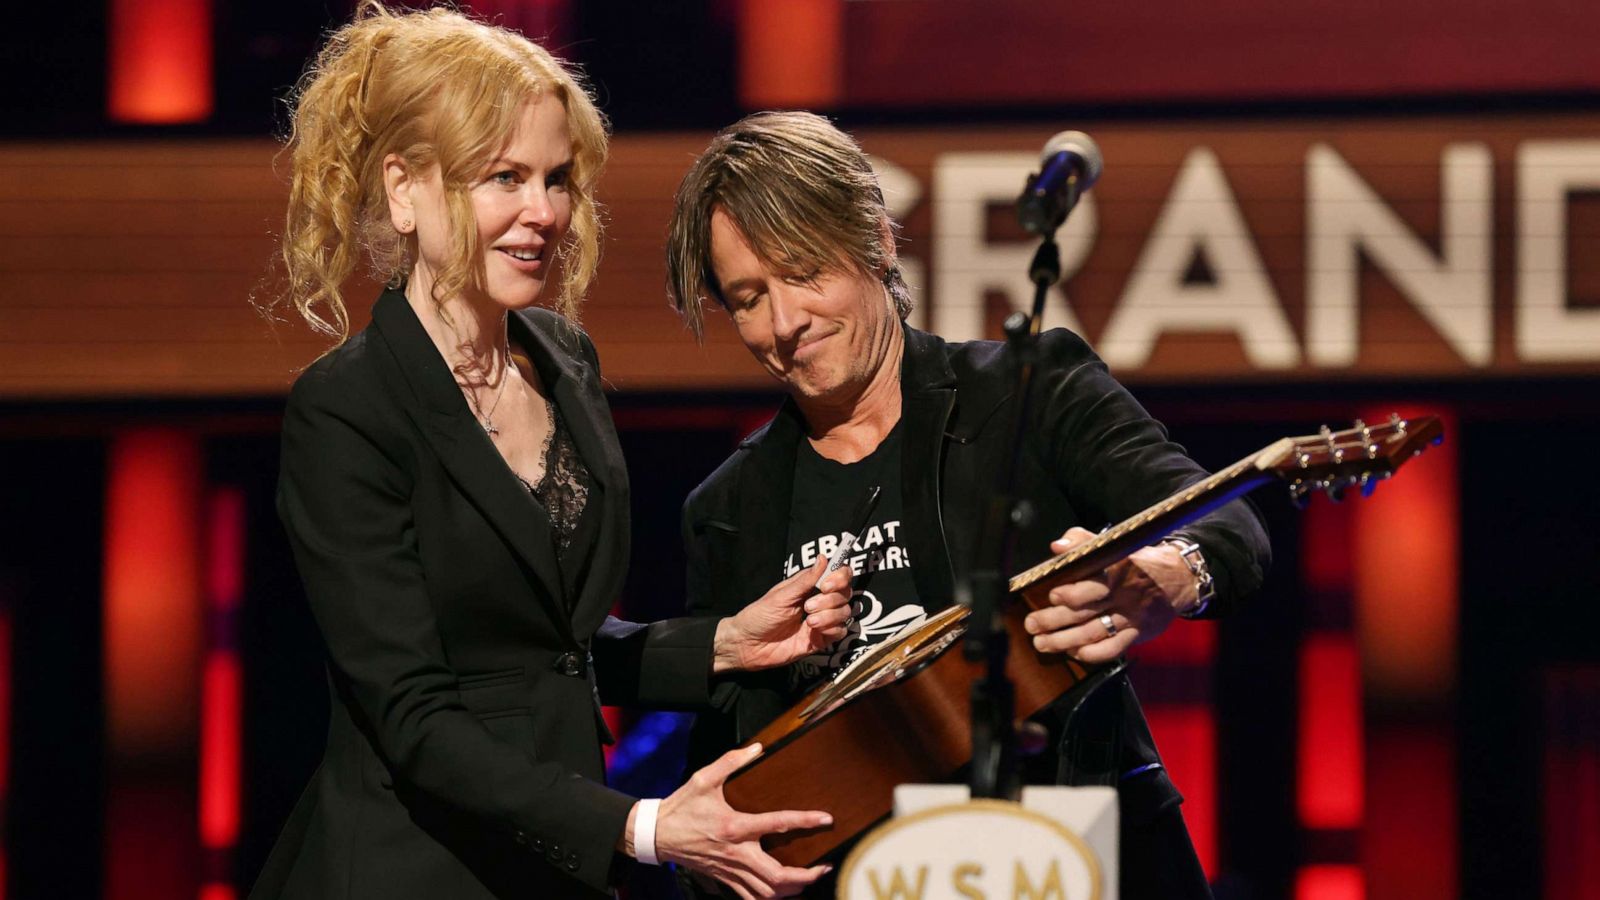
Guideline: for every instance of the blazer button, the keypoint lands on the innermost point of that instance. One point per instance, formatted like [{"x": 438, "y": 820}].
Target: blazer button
[
  {"x": 554, "y": 855},
  {"x": 572, "y": 862},
  {"x": 569, "y": 664},
  {"x": 521, "y": 838},
  {"x": 537, "y": 845}
]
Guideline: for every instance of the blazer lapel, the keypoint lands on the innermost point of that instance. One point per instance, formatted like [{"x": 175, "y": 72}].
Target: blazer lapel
[
  {"x": 575, "y": 388},
  {"x": 928, "y": 395},
  {"x": 464, "y": 448},
  {"x": 766, "y": 494}
]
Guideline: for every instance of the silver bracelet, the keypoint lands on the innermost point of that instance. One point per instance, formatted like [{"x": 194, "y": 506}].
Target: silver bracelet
[{"x": 1205, "y": 585}]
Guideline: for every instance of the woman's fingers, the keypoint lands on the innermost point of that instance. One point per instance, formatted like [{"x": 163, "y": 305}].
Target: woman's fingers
[
  {"x": 757, "y": 825},
  {"x": 716, "y": 772}
]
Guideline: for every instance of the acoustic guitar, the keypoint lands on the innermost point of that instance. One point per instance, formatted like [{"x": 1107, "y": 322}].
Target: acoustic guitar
[{"x": 900, "y": 713}]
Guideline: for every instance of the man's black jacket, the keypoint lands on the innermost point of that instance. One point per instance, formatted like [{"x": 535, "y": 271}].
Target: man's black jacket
[{"x": 1093, "y": 457}]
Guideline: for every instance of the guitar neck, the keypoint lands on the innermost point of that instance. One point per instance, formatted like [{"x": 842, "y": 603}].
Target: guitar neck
[{"x": 1121, "y": 540}]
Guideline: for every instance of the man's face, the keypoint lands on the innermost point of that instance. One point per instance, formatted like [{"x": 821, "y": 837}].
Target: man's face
[{"x": 823, "y": 335}]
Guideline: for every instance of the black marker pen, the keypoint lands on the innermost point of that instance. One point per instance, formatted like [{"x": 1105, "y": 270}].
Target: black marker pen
[{"x": 847, "y": 542}]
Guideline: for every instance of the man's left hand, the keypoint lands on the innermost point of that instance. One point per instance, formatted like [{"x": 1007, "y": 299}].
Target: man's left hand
[
  {"x": 1141, "y": 594},
  {"x": 788, "y": 623}
]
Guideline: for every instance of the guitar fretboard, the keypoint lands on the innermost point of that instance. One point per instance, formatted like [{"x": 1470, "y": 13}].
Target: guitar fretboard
[{"x": 1155, "y": 522}]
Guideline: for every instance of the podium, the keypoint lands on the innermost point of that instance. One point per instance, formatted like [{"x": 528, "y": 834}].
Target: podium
[{"x": 1058, "y": 843}]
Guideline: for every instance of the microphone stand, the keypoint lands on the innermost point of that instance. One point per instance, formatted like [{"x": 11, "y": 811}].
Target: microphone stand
[{"x": 994, "y": 772}]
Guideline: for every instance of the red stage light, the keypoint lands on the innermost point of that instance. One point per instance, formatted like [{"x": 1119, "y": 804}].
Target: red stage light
[
  {"x": 1329, "y": 883},
  {"x": 791, "y": 54},
  {"x": 1187, "y": 736},
  {"x": 222, "y": 688},
  {"x": 152, "y": 593},
  {"x": 1406, "y": 538},
  {"x": 153, "y": 614},
  {"x": 160, "y": 66},
  {"x": 1406, "y": 544},
  {"x": 1329, "y": 770},
  {"x": 220, "y": 750}
]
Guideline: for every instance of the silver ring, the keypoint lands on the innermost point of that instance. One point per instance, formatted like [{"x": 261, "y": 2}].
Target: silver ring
[{"x": 1110, "y": 625}]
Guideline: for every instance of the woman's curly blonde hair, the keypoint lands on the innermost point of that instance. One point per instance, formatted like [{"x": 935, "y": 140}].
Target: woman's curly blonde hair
[{"x": 436, "y": 88}]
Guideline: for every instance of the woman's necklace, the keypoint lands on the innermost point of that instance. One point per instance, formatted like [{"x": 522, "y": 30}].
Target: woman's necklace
[{"x": 486, "y": 419}]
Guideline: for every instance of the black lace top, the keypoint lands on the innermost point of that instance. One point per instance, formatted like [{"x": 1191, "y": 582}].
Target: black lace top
[{"x": 563, "y": 490}]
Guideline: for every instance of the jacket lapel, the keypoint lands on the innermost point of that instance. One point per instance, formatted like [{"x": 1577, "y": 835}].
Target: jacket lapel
[
  {"x": 928, "y": 394},
  {"x": 575, "y": 388},
  {"x": 465, "y": 450},
  {"x": 766, "y": 492}
]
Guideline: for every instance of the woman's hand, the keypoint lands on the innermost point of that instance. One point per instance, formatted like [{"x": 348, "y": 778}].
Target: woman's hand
[
  {"x": 788, "y": 623},
  {"x": 696, "y": 828},
  {"x": 1141, "y": 594}
]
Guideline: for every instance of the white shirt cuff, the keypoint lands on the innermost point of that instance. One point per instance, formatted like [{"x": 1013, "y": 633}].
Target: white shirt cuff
[{"x": 644, "y": 833}]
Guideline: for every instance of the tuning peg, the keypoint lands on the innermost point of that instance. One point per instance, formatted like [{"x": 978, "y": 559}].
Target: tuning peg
[
  {"x": 1368, "y": 484},
  {"x": 1368, "y": 446},
  {"x": 1300, "y": 494},
  {"x": 1336, "y": 488}
]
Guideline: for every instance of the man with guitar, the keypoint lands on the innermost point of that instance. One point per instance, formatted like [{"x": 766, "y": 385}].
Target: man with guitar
[{"x": 781, "y": 223}]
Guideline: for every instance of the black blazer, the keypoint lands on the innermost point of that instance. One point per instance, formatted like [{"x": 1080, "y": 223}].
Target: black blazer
[
  {"x": 465, "y": 667},
  {"x": 1094, "y": 457}
]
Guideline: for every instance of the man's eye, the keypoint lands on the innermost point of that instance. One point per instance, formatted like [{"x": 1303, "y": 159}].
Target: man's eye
[{"x": 801, "y": 279}]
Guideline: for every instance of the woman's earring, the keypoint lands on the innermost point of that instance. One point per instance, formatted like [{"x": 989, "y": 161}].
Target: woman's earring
[{"x": 405, "y": 227}]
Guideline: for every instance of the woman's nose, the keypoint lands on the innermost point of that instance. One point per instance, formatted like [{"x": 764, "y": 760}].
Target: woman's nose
[{"x": 537, "y": 210}]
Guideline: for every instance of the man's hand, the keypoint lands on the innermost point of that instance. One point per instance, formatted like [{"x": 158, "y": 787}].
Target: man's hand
[
  {"x": 788, "y": 623},
  {"x": 697, "y": 828},
  {"x": 1142, "y": 595}
]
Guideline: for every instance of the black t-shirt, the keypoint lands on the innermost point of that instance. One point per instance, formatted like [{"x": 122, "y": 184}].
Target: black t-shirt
[{"x": 826, "y": 495}]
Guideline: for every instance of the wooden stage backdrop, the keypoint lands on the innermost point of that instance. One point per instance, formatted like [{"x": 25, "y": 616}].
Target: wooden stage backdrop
[{"x": 1438, "y": 247}]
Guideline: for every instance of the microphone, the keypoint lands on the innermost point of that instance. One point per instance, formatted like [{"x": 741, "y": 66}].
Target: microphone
[{"x": 1069, "y": 165}]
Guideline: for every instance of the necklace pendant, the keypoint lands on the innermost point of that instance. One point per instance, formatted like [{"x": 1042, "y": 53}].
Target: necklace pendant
[{"x": 489, "y": 429}]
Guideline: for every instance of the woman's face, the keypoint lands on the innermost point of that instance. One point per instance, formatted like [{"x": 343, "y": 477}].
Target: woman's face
[{"x": 522, "y": 206}]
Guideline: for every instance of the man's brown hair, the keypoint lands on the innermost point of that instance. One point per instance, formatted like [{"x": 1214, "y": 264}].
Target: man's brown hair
[{"x": 800, "y": 191}]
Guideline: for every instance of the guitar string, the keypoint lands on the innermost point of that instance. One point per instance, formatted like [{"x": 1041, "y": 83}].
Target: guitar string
[{"x": 1316, "y": 445}]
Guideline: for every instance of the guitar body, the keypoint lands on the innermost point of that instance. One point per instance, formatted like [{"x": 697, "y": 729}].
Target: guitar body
[
  {"x": 903, "y": 718},
  {"x": 901, "y": 714}
]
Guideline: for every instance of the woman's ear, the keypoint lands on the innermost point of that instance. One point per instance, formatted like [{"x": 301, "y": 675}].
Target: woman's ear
[{"x": 398, "y": 185}]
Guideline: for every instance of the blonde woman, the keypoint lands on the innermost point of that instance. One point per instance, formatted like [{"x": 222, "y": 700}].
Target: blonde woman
[{"x": 455, "y": 495}]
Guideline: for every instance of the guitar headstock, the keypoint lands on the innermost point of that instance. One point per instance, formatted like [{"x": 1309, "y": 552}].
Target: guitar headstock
[{"x": 1360, "y": 456}]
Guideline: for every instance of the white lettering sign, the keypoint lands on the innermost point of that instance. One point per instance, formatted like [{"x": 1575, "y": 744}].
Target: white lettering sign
[
  {"x": 1454, "y": 291},
  {"x": 1200, "y": 216},
  {"x": 1547, "y": 329}
]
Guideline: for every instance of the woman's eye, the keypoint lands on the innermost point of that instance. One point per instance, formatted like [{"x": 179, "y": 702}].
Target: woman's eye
[
  {"x": 559, "y": 178},
  {"x": 507, "y": 178}
]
